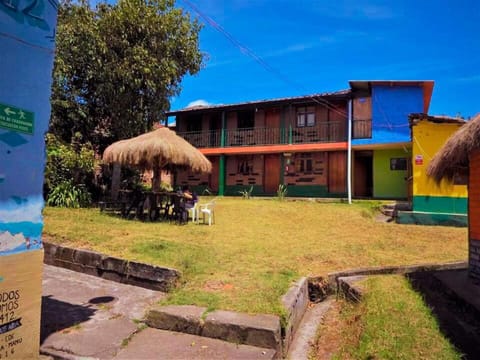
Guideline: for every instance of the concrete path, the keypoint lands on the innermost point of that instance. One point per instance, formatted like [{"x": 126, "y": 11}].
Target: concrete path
[
  {"x": 85, "y": 317},
  {"x": 161, "y": 344}
]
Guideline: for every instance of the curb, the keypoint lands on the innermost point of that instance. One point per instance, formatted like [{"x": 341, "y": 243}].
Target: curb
[
  {"x": 295, "y": 302},
  {"x": 111, "y": 268},
  {"x": 351, "y": 287},
  {"x": 384, "y": 270}
]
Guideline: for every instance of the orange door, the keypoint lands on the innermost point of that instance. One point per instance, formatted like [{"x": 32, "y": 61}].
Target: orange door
[
  {"x": 272, "y": 123},
  {"x": 337, "y": 172},
  {"x": 272, "y": 173}
]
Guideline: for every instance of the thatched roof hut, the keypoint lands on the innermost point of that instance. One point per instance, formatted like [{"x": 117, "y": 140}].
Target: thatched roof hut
[
  {"x": 452, "y": 158},
  {"x": 158, "y": 149}
]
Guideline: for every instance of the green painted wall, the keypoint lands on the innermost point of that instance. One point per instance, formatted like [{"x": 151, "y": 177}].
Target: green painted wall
[
  {"x": 234, "y": 190},
  {"x": 292, "y": 191},
  {"x": 440, "y": 204},
  {"x": 428, "y": 218},
  {"x": 389, "y": 184}
]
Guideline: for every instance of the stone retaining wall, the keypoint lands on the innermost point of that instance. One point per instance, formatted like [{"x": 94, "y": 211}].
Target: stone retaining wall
[{"x": 111, "y": 268}]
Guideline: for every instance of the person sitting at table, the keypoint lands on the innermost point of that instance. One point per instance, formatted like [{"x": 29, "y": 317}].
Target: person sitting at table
[{"x": 190, "y": 198}]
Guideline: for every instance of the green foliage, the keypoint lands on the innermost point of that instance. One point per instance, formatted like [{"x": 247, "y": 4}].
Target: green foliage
[
  {"x": 66, "y": 194},
  {"x": 165, "y": 186},
  {"x": 69, "y": 172},
  {"x": 117, "y": 65},
  {"x": 246, "y": 193},
  {"x": 282, "y": 192}
]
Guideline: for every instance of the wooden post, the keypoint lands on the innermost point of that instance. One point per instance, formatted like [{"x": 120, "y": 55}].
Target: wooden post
[
  {"x": 116, "y": 173},
  {"x": 157, "y": 179}
]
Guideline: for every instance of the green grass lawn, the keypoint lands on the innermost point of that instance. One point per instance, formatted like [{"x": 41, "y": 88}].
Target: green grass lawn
[
  {"x": 392, "y": 322},
  {"x": 257, "y": 247}
]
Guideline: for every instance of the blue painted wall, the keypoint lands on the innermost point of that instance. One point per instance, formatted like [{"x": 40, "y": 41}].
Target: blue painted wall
[
  {"x": 27, "y": 40},
  {"x": 391, "y": 106}
]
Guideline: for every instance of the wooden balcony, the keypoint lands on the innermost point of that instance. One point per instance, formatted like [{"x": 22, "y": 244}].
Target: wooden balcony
[{"x": 321, "y": 132}]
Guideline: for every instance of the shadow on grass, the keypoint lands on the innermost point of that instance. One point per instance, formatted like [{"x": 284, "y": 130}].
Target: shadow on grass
[
  {"x": 59, "y": 315},
  {"x": 449, "y": 295}
]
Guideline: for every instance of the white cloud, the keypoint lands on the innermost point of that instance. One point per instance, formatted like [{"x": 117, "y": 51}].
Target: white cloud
[
  {"x": 198, "y": 102},
  {"x": 9, "y": 241},
  {"x": 352, "y": 9},
  {"x": 471, "y": 78},
  {"x": 28, "y": 210}
]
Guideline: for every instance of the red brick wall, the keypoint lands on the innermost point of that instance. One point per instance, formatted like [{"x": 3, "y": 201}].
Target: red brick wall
[
  {"x": 474, "y": 215},
  {"x": 185, "y": 177},
  {"x": 474, "y": 195},
  {"x": 255, "y": 176},
  {"x": 318, "y": 175}
]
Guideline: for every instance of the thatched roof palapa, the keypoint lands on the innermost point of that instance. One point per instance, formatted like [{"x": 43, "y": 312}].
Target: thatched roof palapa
[
  {"x": 453, "y": 156},
  {"x": 157, "y": 149}
]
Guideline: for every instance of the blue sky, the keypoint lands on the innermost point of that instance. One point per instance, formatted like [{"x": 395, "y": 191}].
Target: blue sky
[{"x": 318, "y": 45}]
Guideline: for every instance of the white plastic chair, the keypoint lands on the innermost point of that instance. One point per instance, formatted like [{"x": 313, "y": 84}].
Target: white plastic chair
[
  {"x": 208, "y": 210},
  {"x": 193, "y": 213}
]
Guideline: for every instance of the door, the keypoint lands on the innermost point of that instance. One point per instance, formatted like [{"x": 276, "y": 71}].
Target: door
[
  {"x": 272, "y": 173},
  {"x": 215, "y": 128},
  {"x": 363, "y": 174},
  {"x": 272, "y": 125},
  {"x": 337, "y": 172}
]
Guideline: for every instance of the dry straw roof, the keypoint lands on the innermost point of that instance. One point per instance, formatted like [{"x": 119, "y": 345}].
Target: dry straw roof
[
  {"x": 159, "y": 148},
  {"x": 453, "y": 156}
]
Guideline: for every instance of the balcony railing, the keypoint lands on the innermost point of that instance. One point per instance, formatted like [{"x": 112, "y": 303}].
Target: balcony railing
[
  {"x": 321, "y": 132},
  {"x": 362, "y": 129}
]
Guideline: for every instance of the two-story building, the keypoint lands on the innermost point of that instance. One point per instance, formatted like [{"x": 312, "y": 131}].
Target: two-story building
[{"x": 303, "y": 141}]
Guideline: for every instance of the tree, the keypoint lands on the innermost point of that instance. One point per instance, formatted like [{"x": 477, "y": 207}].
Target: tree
[{"x": 118, "y": 65}]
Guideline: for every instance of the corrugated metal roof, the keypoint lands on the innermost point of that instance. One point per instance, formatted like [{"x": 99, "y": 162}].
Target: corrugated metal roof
[
  {"x": 339, "y": 94},
  {"x": 415, "y": 117}
]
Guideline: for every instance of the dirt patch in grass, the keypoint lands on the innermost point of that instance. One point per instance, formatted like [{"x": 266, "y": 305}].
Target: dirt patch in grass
[{"x": 329, "y": 334}]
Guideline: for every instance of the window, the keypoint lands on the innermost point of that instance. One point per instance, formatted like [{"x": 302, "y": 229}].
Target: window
[
  {"x": 304, "y": 163},
  {"x": 306, "y": 116},
  {"x": 245, "y": 165},
  {"x": 246, "y": 119},
  {"x": 398, "y": 164}
]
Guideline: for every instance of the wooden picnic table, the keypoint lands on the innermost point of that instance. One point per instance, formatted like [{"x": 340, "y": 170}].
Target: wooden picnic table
[{"x": 149, "y": 205}]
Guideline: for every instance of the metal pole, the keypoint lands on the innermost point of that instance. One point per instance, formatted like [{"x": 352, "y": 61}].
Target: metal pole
[
  {"x": 221, "y": 163},
  {"x": 349, "y": 153}
]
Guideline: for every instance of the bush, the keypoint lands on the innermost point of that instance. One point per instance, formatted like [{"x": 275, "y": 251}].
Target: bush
[
  {"x": 69, "y": 171},
  {"x": 66, "y": 194},
  {"x": 281, "y": 192}
]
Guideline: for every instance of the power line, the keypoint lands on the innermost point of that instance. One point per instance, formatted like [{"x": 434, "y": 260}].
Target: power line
[{"x": 248, "y": 52}]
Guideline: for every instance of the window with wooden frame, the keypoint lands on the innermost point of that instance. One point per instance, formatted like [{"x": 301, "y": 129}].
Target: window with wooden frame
[
  {"x": 245, "y": 165},
  {"x": 305, "y": 116},
  {"x": 304, "y": 163}
]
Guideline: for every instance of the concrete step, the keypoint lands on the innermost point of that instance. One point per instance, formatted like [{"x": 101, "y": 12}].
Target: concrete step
[
  {"x": 153, "y": 343},
  {"x": 256, "y": 330}
]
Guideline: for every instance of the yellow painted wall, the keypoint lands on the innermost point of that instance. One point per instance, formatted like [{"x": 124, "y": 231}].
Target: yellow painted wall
[{"x": 427, "y": 138}]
